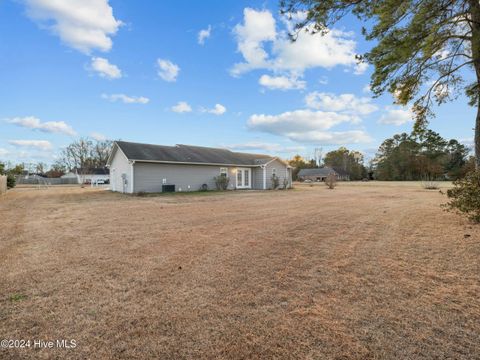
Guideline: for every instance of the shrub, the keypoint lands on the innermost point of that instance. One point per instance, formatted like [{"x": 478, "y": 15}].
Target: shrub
[
  {"x": 465, "y": 196},
  {"x": 221, "y": 182},
  {"x": 331, "y": 181},
  {"x": 11, "y": 181},
  {"x": 285, "y": 183},
  {"x": 430, "y": 185},
  {"x": 275, "y": 181}
]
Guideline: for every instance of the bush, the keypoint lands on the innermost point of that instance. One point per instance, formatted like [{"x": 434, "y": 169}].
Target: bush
[
  {"x": 221, "y": 182},
  {"x": 331, "y": 181},
  {"x": 285, "y": 183},
  {"x": 465, "y": 196},
  {"x": 430, "y": 185},
  {"x": 11, "y": 181},
  {"x": 275, "y": 181}
]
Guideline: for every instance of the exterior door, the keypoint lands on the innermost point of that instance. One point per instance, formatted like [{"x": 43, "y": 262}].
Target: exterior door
[{"x": 244, "y": 178}]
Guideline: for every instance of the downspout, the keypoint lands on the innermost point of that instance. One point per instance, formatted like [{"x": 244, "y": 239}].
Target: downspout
[
  {"x": 264, "y": 177},
  {"x": 131, "y": 176}
]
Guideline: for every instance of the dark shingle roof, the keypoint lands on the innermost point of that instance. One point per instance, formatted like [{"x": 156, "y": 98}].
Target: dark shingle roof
[
  {"x": 341, "y": 172},
  {"x": 325, "y": 171},
  {"x": 189, "y": 154}
]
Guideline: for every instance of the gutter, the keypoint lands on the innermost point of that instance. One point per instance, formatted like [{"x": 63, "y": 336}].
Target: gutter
[{"x": 194, "y": 163}]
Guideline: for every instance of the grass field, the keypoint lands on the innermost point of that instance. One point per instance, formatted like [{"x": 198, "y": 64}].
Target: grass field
[{"x": 366, "y": 271}]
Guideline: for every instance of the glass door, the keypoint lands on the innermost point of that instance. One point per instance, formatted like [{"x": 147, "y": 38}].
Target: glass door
[{"x": 244, "y": 178}]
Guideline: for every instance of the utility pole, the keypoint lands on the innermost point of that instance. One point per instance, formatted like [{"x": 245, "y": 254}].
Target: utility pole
[{"x": 318, "y": 156}]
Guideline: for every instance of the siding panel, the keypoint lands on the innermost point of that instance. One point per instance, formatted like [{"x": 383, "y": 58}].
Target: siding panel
[
  {"x": 257, "y": 178},
  {"x": 281, "y": 172},
  {"x": 118, "y": 167},
  {"x": 149, "y": 176}
]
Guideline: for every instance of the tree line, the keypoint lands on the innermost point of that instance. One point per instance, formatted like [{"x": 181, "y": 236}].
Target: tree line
[
  {"x": 81, "y": 156},
  {"x": 417, "y": 156},
  {"x": 349, "y": 161},
  {"x": 424, "y": 156}
]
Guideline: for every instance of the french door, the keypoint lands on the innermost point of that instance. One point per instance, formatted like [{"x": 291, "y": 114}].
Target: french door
[{"x": 244, "y": 178}]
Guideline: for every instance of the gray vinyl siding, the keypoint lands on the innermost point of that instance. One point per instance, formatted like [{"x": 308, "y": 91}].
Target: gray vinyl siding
[
  {"x": 118, "y": 167},
  {"x": 148, "y": 177},
  {"x": 257, "y": 178},
  {"x": 281, "y": 172}
]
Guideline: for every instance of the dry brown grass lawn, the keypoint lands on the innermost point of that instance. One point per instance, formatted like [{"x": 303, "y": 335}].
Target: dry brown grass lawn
[{"x": 365, "y": 271}]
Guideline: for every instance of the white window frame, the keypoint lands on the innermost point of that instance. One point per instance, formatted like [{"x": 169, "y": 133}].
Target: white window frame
[
  {"x": 243, "y": 174},
  {"x": 224, "y": 170}
]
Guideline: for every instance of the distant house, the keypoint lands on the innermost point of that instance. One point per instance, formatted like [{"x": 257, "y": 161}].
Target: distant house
[
  {"x": 88, "y": 176},
  {"x": 320, "y": 174},
  {"x": 136, "y": 167}
]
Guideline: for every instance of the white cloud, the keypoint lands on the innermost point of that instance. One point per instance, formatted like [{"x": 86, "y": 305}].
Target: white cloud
[
  {"x": 4, "y": 152},
  {"x": 261, "y": 146},
  {"x": 126, "y": 99},
  {"x": 105, "y": 69},
  {"x": 366, "y": 89},
  {"x": 167, "y": 70},
  {"x": 204, "y": 34},
  {"x": 332, "y": 137},
  {"x": 32, "y": 122},
  {"x": 298, "y": 120},
  {"x": 467, "y": 141},
  {"x": 258, "y": 27},
  {"x": 182, "y": 107},
  {"x": 98, "y": 136},
  {"x": 281, "y": 82},
  {"x": 360, "y": 68},
  {"x": 347, "y": 103},
  {"x": 396, "y": 116},
  {"x": 37, "y": 144},
  {"x": 218, "y": 109},
  {"x": 308, "y": 51},
  {"x": 309, "y": 126},
  {"x": 84, "y": 25}
]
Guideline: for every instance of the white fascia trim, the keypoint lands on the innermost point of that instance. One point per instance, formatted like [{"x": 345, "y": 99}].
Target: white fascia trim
[
  {"x": 270, "y": 161},
  {"x": 110, "y": 156},
  {"x": 194, "y": 163}
]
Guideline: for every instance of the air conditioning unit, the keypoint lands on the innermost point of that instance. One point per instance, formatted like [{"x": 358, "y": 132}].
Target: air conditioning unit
[{"x": 168, "y": 188}]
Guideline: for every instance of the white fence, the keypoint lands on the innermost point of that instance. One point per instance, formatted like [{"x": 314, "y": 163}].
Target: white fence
[{"x": 3, "y": 184}]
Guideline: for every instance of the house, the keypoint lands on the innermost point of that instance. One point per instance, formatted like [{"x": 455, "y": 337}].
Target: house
[
  {"x": 88, "y": 176},
  {"x": 138, "y": 167},
  {"x": 320, "y": 174}
]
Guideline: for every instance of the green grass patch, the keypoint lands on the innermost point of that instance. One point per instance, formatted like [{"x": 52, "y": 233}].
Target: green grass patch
[{"x": 17, "y": 297}]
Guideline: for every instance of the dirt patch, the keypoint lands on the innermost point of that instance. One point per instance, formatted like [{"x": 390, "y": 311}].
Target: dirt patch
[{"x": 363, "y": 271}]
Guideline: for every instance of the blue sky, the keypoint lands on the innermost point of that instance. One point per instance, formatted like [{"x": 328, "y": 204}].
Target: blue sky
[{"x": 211, "y": 73}]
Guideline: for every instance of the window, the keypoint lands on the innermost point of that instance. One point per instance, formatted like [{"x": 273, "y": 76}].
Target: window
[
  {"x": 239, "y": 177},
  {"x": 224, "y": 172},
  {"x": 274, "y": 172}
]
